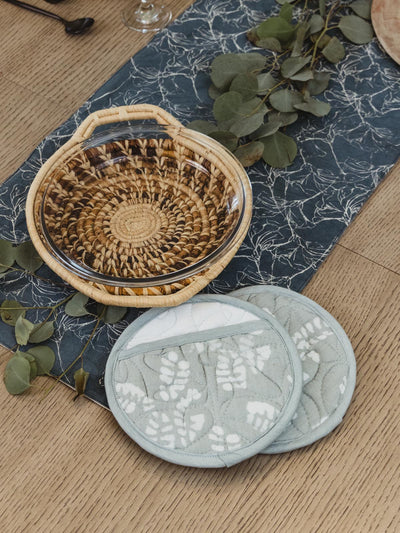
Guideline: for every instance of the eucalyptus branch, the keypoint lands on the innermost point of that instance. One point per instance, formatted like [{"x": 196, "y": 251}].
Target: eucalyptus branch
[
  {"x": 323, "y": 32},
  {"x": 80, "y": 356},
  {"x": 270, "y": 91},
  {"x": 31, "y": 356},
  {"x": 244, "y": 94}
]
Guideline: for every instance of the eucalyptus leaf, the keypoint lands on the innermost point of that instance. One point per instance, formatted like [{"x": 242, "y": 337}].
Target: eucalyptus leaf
[
  {"x": 276, "y": 27},
  {"x": 76, "y": 305},
  {"x": 362, "y": 8},
  {"x": 17, "y": 375},
  {"x": 319, "y": 83},
  {"x": 10, "y": 316},
  {"x": 32, "y": 364},
  {"x": 226, "y": 66},
  {"x": 303, "y": 75},
  {"x": 213, "y": 92},
  {"x": 34, "y": 370},
  {"x": 248, "y": 114},
  {"x": 225, "y": 107},
  {"x": 321, "y": 42},
  {"x": 284, "y": 99},
  {"x": 270, "y": 43},
  {"x": 7, "y": 255},
  {"x": 301, "y": 33},
  {"x": 245, "y": 84},
  {"x": 269, "y": 128},
  {"x": 265, "y": 82},
  {"x": 284, "y": 118},
  {"x": 23, "y": 329},
  {"x": 27, "y": 257},
  {"x": 114, "y": 314},
  {"x": 240, "y": 118},
  {"x": 334, "y": 51},
  {"x": 281, "y": 2},
  {"x": 246, "y": 126},
  {"x": 286, "y": 12},
  {"x": 226, "y": 138},
  {"x": 322, "y": 7},
  {"x": 252, "y": 35},
  {"x": 202, "y": 126},
  {"x": 44, "y": 357},
  {"x": 292, "y": 65},
  {"x": 356, "y": 29},
  {"x": 42, "y": 332},
  {"x": 248, "y": 107},
  {"x": 81, "y": 377},
  {"x": 27, "y": 356},
  {"x": 249, "y": 154},
  {"x": 279, "y": 150},
  {"x": 316, "y": 24},
  {"x": 315, "y": 107}
]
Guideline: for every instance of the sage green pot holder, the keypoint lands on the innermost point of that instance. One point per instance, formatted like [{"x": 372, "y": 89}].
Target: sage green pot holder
[
  {"x": 328, "y": 362},
  {"x": 209, "y": 398}
]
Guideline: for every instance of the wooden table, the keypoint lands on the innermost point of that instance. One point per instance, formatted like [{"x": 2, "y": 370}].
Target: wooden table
[{"x": 66, "y": 466}]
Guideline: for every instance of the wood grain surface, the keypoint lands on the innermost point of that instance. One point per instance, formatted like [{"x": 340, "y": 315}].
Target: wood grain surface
[{"x": 67, "y": 467}]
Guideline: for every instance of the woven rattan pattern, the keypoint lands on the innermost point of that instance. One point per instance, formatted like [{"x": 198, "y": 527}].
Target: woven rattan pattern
[{"x": 139, "y": 208}]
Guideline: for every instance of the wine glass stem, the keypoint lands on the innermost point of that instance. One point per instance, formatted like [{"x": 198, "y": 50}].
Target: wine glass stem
[
  {"x": 146, "y": 5},
  {"x": 146, "y": 15}
]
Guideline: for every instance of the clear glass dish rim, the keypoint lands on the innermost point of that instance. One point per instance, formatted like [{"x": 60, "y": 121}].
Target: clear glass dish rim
[{"x": 124, "y": 132}]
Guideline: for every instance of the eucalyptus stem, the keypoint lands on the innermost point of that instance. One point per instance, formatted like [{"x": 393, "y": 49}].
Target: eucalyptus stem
[
  {"x": 64, "y": 301},
  {"x": 326, "y": 28},
  {"x": 270, "y": 91},
  {"x": 31, "y": 274},
  {"x": 53, "y": 311},
  {"x": 25, "y": 308},
  {"x": 264, "y": 99},
  {"x": 91, "y": 335},
  {"x": 80, "y": 356},
  {"x": 52, "y": 307}
]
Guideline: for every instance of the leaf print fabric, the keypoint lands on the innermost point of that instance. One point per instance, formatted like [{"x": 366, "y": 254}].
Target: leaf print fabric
[
  {"x": 201, "y": 396},
  {"x": 327, "y": 359}
]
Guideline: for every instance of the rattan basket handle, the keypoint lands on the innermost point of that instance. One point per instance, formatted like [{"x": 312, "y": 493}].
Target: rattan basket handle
[{"x": 123, "y": 114}]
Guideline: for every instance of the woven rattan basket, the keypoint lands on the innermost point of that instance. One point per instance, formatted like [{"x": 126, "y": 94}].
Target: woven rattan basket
[{"x": 139, "y": 220}]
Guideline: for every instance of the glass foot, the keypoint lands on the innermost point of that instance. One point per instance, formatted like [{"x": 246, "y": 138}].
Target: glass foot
[{"x": 146, "y": 16}]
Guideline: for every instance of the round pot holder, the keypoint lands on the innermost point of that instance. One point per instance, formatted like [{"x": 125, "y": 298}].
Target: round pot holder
[
  {"x": 327, "y": 358},
  {"x": 208, "y": 383}
]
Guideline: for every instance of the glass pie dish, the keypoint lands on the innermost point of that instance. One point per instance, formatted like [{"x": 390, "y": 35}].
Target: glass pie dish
[{"x": 139, "y": 210}]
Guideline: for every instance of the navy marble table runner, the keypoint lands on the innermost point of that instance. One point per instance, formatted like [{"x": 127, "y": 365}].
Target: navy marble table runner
[{"x": 299, "y": 213}]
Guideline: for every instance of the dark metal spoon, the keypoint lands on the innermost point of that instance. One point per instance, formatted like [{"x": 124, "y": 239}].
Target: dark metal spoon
[{"x": 73, "y": 27}]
